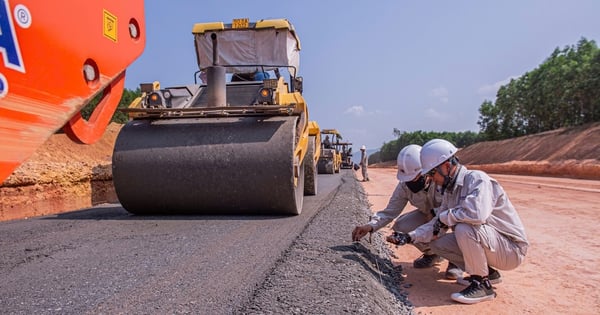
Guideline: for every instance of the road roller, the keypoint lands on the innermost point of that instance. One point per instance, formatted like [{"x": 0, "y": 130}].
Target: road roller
[
  {"x": 330, "y": 158},
  {"x": 236, "y": 141}
]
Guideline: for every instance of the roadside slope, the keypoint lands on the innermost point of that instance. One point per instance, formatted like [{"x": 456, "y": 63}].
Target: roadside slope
[{"x": 566, "y": 152}]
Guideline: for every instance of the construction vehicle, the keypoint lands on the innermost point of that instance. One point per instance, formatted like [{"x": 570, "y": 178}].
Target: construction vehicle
[
  {"x": 330, "y": 160},
  {"x": 56, "y": 57},
  {"x": 345, "y": 149},
  {"x": 239, "y": 142}
]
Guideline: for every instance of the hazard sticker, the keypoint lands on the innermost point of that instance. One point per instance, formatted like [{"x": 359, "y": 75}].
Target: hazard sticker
[{"x": 110, "y": 26}]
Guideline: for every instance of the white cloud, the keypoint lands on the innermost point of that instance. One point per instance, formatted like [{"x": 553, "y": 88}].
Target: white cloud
[
  {"x": 356, "y": 110},
  {"x": 441, "y": 93},
  {"x": 431, "y": 113},
  {"x": 490, "y": 90}
]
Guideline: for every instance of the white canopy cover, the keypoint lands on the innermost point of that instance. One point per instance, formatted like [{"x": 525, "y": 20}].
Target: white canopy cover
[{"x": 249, "y": 46}]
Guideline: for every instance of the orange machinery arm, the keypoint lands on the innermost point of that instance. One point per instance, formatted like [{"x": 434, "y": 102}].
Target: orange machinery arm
[{"x": 55, "y": 56}]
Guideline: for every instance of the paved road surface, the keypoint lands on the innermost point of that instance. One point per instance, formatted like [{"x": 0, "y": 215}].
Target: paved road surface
[{"x": 105, "y": 260}]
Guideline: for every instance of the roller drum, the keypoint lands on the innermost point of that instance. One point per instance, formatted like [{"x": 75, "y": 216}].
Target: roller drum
[{"x": 241, "y": 165}]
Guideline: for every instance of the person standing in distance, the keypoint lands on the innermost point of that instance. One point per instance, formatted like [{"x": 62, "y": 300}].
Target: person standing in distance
[
  {"x": 364, "y": 163},
  {"x": 488, "y": 232},
  {"x": 417, "y": 190}
]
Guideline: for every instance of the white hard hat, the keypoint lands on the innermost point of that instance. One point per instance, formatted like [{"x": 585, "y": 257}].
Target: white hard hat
[
  {"x": 436, "y": 152},
  {"x": 363, "y": 147},
  {"x": 409, "y": 162}
]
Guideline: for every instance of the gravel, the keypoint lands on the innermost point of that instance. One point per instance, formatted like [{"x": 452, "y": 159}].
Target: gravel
[{"x": 325, "y": 273}]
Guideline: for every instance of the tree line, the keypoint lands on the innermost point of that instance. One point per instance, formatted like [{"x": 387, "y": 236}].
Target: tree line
[
  {"x": 563, "y": 91},
  {"x": 389, "y": 150}
]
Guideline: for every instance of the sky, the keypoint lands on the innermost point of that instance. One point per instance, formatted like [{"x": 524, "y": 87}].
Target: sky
[{"x": 372, "y": 66}]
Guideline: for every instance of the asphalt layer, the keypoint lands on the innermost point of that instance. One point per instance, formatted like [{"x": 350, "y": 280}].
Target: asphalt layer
[
  {"x": 104, "y": 260},
  {"x": 324, "y": 272}
]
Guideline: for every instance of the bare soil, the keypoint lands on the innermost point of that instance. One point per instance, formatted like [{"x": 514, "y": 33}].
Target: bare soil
[{"x": 61, "y": 176}]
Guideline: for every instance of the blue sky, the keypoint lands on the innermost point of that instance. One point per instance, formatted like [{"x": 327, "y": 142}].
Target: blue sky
[{"x": 372, "y": 66}]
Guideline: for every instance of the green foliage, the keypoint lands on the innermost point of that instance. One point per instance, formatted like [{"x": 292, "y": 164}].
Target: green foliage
[
  {"x": 389, "y": 151},
  {"x": 118, "y": 117},
  {"x": 563, "y": 91}
]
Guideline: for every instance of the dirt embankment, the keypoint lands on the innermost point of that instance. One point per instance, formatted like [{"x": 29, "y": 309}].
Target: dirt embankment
[
  {"x": 63, "y": 176},
  {"x": 567, "y": 152}
]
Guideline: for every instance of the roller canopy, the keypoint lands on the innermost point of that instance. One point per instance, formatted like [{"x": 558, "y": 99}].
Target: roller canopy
[{"x": 251, "y": 46}]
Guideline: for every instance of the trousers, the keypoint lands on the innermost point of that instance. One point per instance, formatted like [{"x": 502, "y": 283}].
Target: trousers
[{"x": 475, "y": 247}]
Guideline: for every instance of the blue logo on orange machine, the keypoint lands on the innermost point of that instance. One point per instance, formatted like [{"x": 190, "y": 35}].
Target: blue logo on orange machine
[{"x": 9, "y": 46}]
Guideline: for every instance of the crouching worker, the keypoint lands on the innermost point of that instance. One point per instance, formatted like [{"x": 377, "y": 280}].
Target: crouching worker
[
  {"x": 488, "y": 232},
  {"x": 417, "y": 190}
]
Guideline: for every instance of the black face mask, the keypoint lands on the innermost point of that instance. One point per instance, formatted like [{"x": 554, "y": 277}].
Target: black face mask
[{"x": 416, "y": 185}]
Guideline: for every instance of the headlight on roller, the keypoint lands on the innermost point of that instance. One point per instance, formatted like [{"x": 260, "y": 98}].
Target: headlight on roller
[
  {"x": 265, "y": 96},
  {"x": 155, "y": 100}
]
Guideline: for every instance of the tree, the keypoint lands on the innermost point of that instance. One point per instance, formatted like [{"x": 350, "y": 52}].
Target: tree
[
  {"x": 118, "y": 117},
  {"x": 563, "y": 91}
]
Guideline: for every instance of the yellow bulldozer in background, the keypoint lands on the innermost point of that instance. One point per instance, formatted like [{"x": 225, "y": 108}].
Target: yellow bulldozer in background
[
  {"x": 238, "y": 142},
  {"x": 330, "y": 160}
]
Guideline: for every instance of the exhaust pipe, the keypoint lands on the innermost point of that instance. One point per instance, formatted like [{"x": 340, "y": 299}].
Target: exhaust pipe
[{"x": 216, "y": 80}]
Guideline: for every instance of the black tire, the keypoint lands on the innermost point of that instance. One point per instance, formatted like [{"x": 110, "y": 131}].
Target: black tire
[{"x": 310, "y": 169}]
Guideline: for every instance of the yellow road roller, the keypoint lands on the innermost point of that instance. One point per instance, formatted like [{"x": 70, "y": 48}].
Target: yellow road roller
[
  {"x": 330, "y": 160},
  {"x": 237, "y": 141}
]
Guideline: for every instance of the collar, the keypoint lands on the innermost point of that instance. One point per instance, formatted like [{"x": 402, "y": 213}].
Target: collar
[{"x": 459, "y": 178}]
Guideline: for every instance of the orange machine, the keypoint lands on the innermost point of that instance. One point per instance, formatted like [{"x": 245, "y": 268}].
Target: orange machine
[{"x": 55, "y": 56}]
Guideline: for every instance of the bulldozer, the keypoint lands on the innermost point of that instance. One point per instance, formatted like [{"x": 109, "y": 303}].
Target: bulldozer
[
  {"x": 236, "y": 141},
  {"x": 330, "y": 160}
]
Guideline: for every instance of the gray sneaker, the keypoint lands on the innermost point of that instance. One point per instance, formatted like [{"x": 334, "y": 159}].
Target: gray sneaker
[
  {"x": 476, "y": 292},
  {"x": 494, "y": 277}
]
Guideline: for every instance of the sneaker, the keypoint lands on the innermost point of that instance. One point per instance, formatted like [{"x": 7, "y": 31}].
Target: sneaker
[
  {"x": 453, "y": 272},
  {"x": 427, "y": 261},
  {"x": 494, "y": 277},
  {"x": 476, "y": 292}
]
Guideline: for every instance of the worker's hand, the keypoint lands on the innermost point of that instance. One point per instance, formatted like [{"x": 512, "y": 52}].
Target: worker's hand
[
  {"x": 361, "y": 231},
  {"x": 399, "y": 238}
]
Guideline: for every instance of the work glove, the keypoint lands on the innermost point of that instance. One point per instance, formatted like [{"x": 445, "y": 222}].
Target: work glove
[
  {"x": 399, "y": 238},
  {"x": 437, "y": 226}
]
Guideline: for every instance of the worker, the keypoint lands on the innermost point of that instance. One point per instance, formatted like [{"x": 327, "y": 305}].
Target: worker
[
  {"x": 364, "y": 163},
  {"x": 327, "y": 142},
  {"x": 419, "y": 191},
  {"x": 261, "y": 75},
  {"x": 488, "y": 232}
]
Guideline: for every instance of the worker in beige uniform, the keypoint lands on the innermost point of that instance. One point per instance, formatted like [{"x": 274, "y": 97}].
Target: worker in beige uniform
[
  {"x": 364, "y": 163},
  {"x": 415, "y": 189},
  {"x": 488, "y": 232}
]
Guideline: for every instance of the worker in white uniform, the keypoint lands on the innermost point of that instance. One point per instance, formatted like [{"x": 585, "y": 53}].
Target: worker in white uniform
[
  {"x": 364, "y": 163},
  {"x": 488, "y": 232},
  {"x": 415, "y": 189}
]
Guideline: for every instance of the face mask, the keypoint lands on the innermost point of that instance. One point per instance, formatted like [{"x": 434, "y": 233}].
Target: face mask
[{"x": 416, "y": 185}]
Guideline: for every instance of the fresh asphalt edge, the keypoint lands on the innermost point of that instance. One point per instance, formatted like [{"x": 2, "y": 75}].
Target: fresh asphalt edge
[{"x": 324, "y": 272}]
